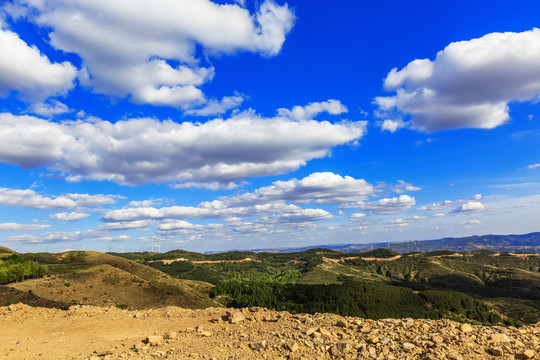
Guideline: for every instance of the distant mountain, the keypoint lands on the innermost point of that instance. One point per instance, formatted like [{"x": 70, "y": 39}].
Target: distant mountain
[{"x": 511, "y": 243}]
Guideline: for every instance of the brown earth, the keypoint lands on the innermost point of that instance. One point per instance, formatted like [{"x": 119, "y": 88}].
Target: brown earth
[{"x": 87, "y": 332}]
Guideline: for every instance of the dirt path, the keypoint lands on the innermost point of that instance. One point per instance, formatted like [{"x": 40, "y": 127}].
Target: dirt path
[
  {"x": 364, "y": 258},
  {"x": 170, "y": 261}
]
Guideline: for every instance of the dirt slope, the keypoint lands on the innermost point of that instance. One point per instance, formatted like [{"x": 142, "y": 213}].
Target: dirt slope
[{"x": 86, "y": 332}]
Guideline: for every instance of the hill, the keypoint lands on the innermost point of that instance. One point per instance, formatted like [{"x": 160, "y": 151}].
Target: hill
[
  {"x": 475, "y": 287},
  {"x": 5, "y": 250},
  {"x": 102, "y": 279}
]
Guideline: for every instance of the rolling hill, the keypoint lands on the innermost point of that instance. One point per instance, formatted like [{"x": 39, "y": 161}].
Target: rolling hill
[{"x": 101, "y": 279}]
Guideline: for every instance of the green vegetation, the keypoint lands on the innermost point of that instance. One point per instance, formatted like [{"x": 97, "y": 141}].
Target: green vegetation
[
  {"x": 14, "y": 268},
  {"x": 433, "y": 281},
  {"x": 354, "y": 298},
  {"x": 479, "y": 286}
]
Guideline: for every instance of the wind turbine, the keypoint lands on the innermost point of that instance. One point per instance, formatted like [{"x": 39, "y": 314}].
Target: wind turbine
[
  {"x": 122, "y": 248},
  {"x": 109, "y": 248}
]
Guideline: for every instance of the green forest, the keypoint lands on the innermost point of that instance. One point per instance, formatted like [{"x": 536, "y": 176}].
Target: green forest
[
  {"x": 355, "y": 298},
  {"x": 14, "y": 268},
  {"x": 476, "y": 286}
]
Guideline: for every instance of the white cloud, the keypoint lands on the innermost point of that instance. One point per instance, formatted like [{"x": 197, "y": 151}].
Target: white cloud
[
  {"x": 215, "y": 107},
  {"x": 21, "y": 227},
  {"x": 469, "y": 84},
  {"x": 140, "y": 151},
  {"x": 357, "y": 216},
  {"x": 143, "y": 203},
  {"x": 49, "y": 109},
  {"x": 129, "y": 225},
  {"x": 148, "y": 49},
  {"x": 24, "y": 69},
  {"x": 471, "y": 206},
  {"x": 333, "y": 107},
  {"x": 61, "y": 236},
  {"x": 384, "y": 206},
  {"x": 399, "y": 223},
  {"x": 471, "y": 222},
  {"x": 304, "y": 216},
  {"x": 94, "y": 200},
  {"x": 392, "y": 125},
  {"x": 30, "y": 199},
  {"x": 205, "y": 210},
  {"x": 403, "y": 187},
  {"x": 533, "y": 166},
  {"x": 69, "y": 216},
  {"x": 320, "y": 188},
  {"x": 448, "y": 203},
  {"x": 261, "y": 209}
]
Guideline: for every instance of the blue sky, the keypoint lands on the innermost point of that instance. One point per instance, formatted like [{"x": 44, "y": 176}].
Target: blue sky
[{"x": 238, "y": 124}]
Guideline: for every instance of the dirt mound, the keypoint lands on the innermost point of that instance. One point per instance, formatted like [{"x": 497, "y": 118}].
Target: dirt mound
[{"x": 87, "y": 332}]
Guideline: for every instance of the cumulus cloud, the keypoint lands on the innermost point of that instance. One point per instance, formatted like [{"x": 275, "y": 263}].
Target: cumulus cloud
[
  {"x": 471, "y": 206},
  {"x": 392, "y": 125},
  {"x": 28, "y": 198},
  {"x": 320, "y": 188},
  {"x": 32, "y": 75},
  {"x": 215, "y": 107},
  {"x": 139, "y": 151},
  {"x": 205, "y": 210},
  {"x": 49, "y": 109},
  {"x": 56, "y": 237},
  {"x": 148, "y": 50},
  {"x": 357, "y": 216},
  {"x": 533, "y": 166},
  {"x": 129, "y": 225},
  {"x": 385, "y": 206},
  {"x": 22, "y": 227},
  {"x": 333, "y": 107},
  {"x": 398, "y": 223},
  {"x": 84, "y": 200},
  {"x": 468, "y": 85},
  {"x": 471, "y": 222},
  {"x": 448, "y": 203},
  {"x": 403, "y": 187},
  {"x": 69, "y": 216},
  {"x": 265, "y": 207},
  {"x": 142, "y": 203}
]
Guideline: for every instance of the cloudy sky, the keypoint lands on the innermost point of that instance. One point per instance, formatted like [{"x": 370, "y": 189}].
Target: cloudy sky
[{"x": 215, "y": 125}]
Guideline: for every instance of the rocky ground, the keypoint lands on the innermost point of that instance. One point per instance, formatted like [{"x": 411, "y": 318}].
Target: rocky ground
[{"x": 86, "y": 332}]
